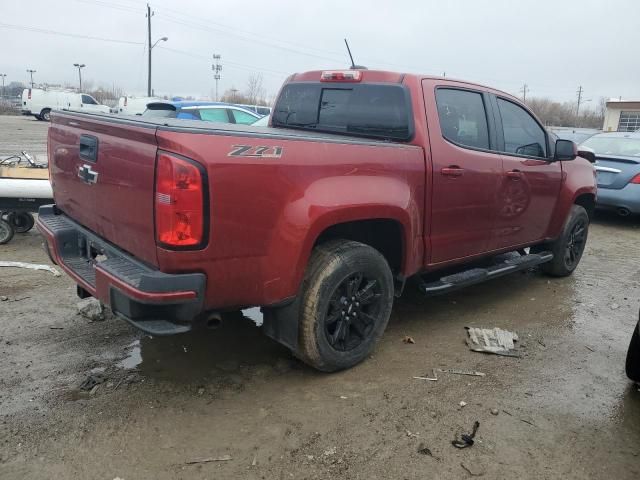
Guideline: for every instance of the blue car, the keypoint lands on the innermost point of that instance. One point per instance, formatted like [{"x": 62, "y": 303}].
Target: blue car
[
  {"x": 618, "y": 169},
  {"x": 206, "y": 111}
]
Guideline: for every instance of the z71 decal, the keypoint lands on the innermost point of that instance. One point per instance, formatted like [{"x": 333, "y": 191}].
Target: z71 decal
[{"x": 251, "y": 151}]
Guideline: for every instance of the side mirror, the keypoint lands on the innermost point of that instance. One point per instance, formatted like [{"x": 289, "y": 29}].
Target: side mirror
[
  {"x": 565, "y": 150},
  {"x": 588, "y": 153}
]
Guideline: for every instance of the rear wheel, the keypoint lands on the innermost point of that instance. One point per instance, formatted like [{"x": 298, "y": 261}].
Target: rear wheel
[
  {"x": 347, "y": 297},
  {"x": 21, "y": 222},
  {"x": 568, "y": 248},
  {"x": 633, "y": 356},
  {"x": 45, "y": 114},
  {"x": 6, "y": 232}
]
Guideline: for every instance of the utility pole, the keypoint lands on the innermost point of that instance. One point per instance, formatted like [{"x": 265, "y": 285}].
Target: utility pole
[
  {"x": 233, "y": 94},
  {"x": 149, "y": 13},
  {"x": 580, "y": 91},
  {"x": 3, "y": 75},
  {"x": 217, "y": 68},
  {"x": 524, "y": 90},
  {"x": 80, "y": 66},
  {"x": 31, "y": 72},
  {"x": 163, "y": 39}
]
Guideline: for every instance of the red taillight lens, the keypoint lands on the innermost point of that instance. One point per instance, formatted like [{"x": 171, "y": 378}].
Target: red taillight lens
[
  {"x": 179, "y": 202},
  {"x": 341, "y": 76},
  {"x": 125, "y": 101},
  {"x": 29, "y": 95},
  {"x": 636, "y": 179}
]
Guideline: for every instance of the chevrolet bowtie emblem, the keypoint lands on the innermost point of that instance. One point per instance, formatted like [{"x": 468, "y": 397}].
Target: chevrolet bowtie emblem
[{"x": 87, "y": 175}]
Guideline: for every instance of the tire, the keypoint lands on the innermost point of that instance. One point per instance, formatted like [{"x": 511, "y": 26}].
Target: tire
[
  {"x": 568, "y": 248},
  {"x": 21, "y": 222},
  {"x": 6, "y": 232},
  {"x": 347, "y": 296},
  {"x": 633, "y": 356},
  {"x": 38, "y": 117},
  {"x": 45, "y": 114}
]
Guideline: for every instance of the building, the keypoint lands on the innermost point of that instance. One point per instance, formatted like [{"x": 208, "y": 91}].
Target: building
[{"x": 622, "y": 116}]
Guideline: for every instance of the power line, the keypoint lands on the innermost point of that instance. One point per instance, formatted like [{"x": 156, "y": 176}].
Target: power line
[{"x": 65, "y": 34}]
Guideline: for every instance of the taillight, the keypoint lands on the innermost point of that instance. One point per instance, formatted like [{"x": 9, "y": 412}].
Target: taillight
[
  {"x": 179, "y": 202},
  {"x": 29, "y": 95},
  {"x": 125, "y": 101},
  {"x": 341, "y": 76},
  {"x": 636, "y": 179}
]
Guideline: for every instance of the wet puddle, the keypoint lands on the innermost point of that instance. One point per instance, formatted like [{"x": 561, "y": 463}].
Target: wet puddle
[{"x": 235, "y": 344}]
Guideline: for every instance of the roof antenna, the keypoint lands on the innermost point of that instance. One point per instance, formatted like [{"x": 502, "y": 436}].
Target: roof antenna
[{"x": 353, "y": 65}]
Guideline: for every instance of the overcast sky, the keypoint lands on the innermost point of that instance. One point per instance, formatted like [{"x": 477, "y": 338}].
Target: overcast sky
[{"x": 552, "y": 46}]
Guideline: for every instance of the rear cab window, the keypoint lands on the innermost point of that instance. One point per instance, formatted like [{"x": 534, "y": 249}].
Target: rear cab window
[{"x": 368, "y": 110}]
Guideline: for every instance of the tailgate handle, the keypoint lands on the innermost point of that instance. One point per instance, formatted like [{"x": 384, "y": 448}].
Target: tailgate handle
[{"x": 88, "y": 148}]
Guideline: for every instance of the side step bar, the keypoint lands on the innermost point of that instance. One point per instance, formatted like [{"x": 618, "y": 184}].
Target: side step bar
[{"x": 478, "y": 275}]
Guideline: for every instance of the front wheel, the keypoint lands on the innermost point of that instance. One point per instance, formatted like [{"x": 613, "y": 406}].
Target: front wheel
[
  {"x": 347, "y": 297},
  {"x": 568, "y": 248}
]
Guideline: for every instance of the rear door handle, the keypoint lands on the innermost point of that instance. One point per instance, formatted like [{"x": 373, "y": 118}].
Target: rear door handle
[
  {"x": 514, "y": 174},
  {"x": 452, "y": 171}
]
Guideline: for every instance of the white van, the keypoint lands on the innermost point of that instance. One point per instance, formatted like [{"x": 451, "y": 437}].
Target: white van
[
  {"x": 39, "y": 102},
  {"x": 130, "y": 105}
]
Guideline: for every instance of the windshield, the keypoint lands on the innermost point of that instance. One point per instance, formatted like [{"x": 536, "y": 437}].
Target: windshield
[
  {"x": 370, "y": 110},
  {"x": 609, "y": 145}
]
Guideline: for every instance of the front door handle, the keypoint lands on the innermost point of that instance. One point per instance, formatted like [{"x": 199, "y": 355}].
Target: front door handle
[
  {"x": 514, "y": 175},
  {"x": 452, "y": 171}
]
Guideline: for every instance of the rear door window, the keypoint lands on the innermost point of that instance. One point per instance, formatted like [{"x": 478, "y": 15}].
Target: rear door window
[
  {"x": 371, "y": 110},
  {"x": 522, "y": 134},
  {"x": 463, "y": 117},
  {"x": 214, "y": 115}
]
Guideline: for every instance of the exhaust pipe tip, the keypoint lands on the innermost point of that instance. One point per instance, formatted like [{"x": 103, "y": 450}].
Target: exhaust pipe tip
[
  {"x": 623, "y": 212},
  {"x": 213, "y": 321}
]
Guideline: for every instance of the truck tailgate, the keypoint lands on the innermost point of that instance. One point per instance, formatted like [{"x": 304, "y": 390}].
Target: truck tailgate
[{"x": 102, "y": 175}]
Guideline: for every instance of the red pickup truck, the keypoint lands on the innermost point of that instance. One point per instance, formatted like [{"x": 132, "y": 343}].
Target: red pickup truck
[{"x": 363, "y": 179}]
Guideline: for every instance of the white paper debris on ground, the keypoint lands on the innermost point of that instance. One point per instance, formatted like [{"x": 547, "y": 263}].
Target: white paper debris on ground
[
  {"x": 31, "y": 266},
  {"x": 492, "y": 340},
  {"x": 91, "y": 308}
]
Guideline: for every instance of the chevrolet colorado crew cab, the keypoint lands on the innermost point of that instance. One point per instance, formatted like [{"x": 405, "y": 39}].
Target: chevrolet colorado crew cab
[{"x": 363, "y": 179}]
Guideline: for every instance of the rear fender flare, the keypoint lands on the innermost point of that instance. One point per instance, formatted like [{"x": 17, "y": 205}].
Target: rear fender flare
[{"x": 333, "y": 200}]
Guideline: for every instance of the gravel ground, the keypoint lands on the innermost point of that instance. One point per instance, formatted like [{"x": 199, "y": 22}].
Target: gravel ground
[{"x": 565, "y": 408}]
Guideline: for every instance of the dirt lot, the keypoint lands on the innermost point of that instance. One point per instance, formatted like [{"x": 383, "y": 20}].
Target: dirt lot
[{"x": 565, "y": 408}]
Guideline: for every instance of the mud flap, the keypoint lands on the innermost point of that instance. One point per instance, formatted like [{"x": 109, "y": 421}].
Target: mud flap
[{"x": 282, "y": 324}]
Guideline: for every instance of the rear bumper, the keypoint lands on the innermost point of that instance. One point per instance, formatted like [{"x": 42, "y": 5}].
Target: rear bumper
[
  {"x": 155, "y": 302},
  {"x": 627, "y": 197}
]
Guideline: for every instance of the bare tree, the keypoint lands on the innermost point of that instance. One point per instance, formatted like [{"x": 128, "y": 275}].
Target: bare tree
[
  {"x": 255, "y": 90},
  {"x": 563, "y": 114}
]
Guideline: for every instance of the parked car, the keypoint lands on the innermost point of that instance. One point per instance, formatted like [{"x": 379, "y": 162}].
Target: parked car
[
  {"x": 259, "y": 109},
  {"x": 262, "y": 122},
  {"x": 131, "y": 105},
  {"x": 207, "y": 111},
  {"x": 577, "y": 135},
  {"x": 618, "y": 170},
  {"x": 39, "y": 103},
  {"x": 319, "y": 220},
  {"x": 633, "y": 355}
]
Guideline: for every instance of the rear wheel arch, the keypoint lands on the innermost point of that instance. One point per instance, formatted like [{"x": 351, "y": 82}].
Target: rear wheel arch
[{"x": 386, "y": 235}]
